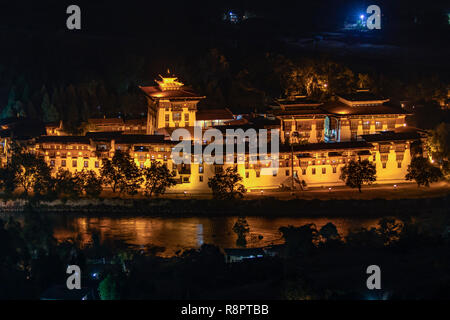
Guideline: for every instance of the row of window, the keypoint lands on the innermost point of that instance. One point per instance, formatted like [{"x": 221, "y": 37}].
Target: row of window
[
  {"x": 287, "y": 172},
  {"x": 313, "y": 171},
  {"x": 60, "y": 147},
  {"x": 103, "y": 148},
  {"x": 176, "y": 116},
  {"x": 74, "y": 164},
  {"x": 186, "y": 179}
]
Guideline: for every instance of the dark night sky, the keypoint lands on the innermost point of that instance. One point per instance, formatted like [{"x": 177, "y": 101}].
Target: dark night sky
[
  {"x": 127, "y": 42},
  {"x": 35, "y": 31},
  {"x": 148, "y": 17}
]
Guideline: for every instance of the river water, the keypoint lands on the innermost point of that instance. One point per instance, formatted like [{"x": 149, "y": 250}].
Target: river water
[{"x": 175, "y": 234}]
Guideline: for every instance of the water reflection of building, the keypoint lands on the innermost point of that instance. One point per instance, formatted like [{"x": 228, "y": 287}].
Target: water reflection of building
[
  {"x": 200, "y": 234},
  {"x": 175, "y": 234}
]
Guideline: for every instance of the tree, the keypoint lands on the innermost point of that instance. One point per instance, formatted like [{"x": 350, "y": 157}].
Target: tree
[
  {"x": 19, "y": 109},
  {"x": 438, "y": 145},
  {"x": 225, "y": 184},
  {"x": 49, "y": 112},
  {"x": 300, "y": 240},
  {"x": 67, "y": 185},
  {"x": 390, "y": 229},
  {"x": 157, "y": 178},
  {"x": 30, "y": 110},
  {"x": 38, "y": 234},
  {"x": 423, "y": 172},
  {"x": 90, "y": 183},
  {"x": 241, "y": 228},
  {"x": 439, "y": 141},
  {"x": 364, "y": 238},
  {"x": 8, "y": 181},
  {"x": 121, "y": 173},
  {"x": 30, "y": 171},
  {"x": 357, "y": 173},
  {"x": 8, "y": 110},
  {"x": 329, "y": 232},
  {"x": 388, "y": 232},
  {"x": 108, "y": 289}
]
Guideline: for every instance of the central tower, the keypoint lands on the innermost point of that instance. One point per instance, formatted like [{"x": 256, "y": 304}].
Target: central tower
[{"x": 171, "y": 104}]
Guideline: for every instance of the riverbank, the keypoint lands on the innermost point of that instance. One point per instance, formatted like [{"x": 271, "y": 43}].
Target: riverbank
[{"x": 262, "y": 206}]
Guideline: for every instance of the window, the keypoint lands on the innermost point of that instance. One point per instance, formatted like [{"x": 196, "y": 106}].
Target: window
[
  {"x": 167, "y": 118},
  {"x": 176, "y": 116},
  {"x": 334, "y": 170},
  {"x": 304, "y": 172},
  {"x": 141, "y": 165},
  {"x": 63, "y": 163},
  {"x": 200, "y": 178},
  {"x": 52, "y": 163},
  {"x": 258, "y": 173},
  {"x": 86, "y": 164},
  {"x": 200, "y": 169},
  {"x": 74, "y": 163},
  {"x": 186, "y": 117},
  {"x": 384, "y": 165},
  {"x": 399, "y": 165},
  {"x": 96, "y": 164},
  {"x": 287, "y": 172},
  {"x": 274, "y": 173},
  {"x": 313, "y": 170},
  {"x": 185, "y": 179},
  {"x": 324, "y": 170},
  {"x": 247, "y": 174},
  {"x": 391, "y": 124},
  {"x": 384, "y": 157}
]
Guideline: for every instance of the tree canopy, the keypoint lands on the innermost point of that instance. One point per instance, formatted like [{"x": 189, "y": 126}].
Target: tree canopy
[
  {"x": 28, "y": 171},
  {"x": 121, "y": 173},
  {"x": 241, "y": 228},
  {"x": 225, "y": 184},
  {"x": 357, "y": 173},
  {"x": 423, "y": 172},
  {"x": 157, "y": 178}
]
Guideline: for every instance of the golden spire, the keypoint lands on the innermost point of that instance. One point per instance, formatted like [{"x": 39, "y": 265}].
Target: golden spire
[{"x": 169, "y": 82}]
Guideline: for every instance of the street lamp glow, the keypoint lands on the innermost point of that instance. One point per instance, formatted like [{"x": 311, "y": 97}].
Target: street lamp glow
[{"x": 362, "y": 17}]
